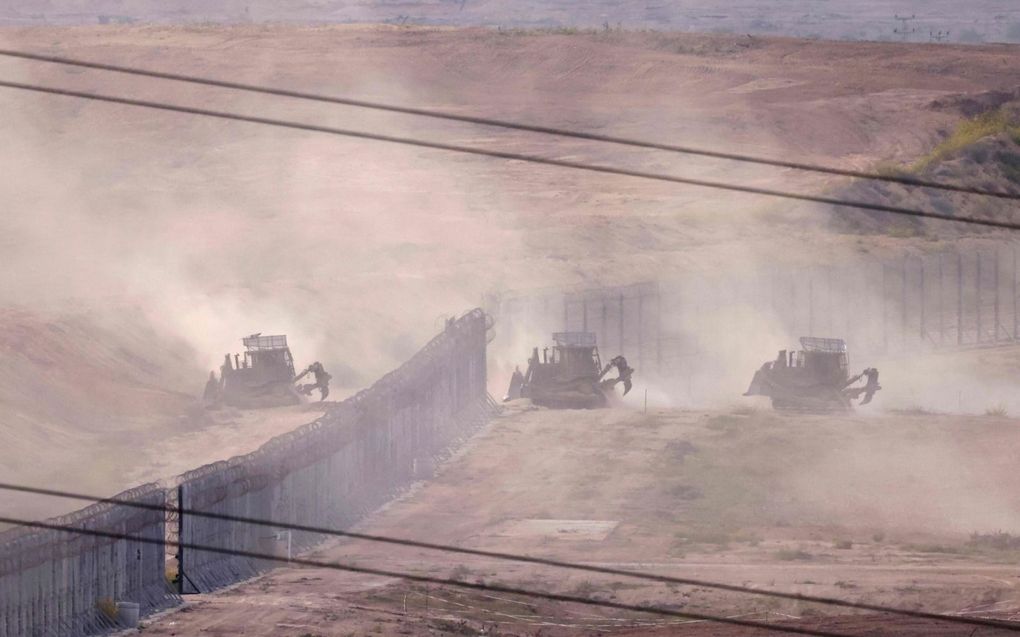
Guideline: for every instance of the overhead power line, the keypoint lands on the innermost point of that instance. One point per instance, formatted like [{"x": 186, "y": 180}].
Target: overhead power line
[
  {"x": 426, "y": 579},
  {"x": 661, "y": 579},
  {"x": 519, "y": 126},
  {"x": 562, "y": 163}
]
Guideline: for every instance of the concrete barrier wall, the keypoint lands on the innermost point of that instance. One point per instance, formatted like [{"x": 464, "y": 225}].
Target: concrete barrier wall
[
  {"x": 330, "y": 473},
  {"x": 55, "y": 583},
  {"x": 348, "y": 462}
]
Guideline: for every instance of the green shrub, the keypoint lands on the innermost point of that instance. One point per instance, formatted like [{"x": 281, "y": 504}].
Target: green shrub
[
  {"x": 1010, "y": 163},
  {"x": 967, "y": 133},
  {"x": 107, "y": 607}
]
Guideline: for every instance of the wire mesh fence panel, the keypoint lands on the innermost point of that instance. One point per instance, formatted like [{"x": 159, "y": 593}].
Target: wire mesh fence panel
[{"x": 685, "y": 330}]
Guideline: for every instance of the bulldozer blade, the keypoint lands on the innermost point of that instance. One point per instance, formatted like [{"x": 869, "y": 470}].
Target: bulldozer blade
[{"x": 755, "y": 389}]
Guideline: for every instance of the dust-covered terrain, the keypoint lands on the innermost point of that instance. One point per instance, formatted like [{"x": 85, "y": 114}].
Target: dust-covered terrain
[
  {"x": 140, "y": 246},
  {"x": 191, "y": 233},
  {"x": 904, "y": 510}
]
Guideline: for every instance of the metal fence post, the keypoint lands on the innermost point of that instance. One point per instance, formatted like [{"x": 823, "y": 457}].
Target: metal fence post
[
  {"x": 605, "y": 319},
  {"x": 640, "y": 330},
  {"x": 1013, "y": 282},
  {"x": 903, "y": 303},
  {"x": 995, "y": 312},
  {"x": 180, "y": 534},
  {"x": 810, "y": 304},
  {"x": 854, "y": 286},
  {"x": 831, "y": 317},
  {"x": 658, "y": 329},
  {"x": 621, "y": 324},
  {"x": 885, "y": 313},
  {"x": 772, "y": 289},
  {"x": 959, "y": 298},
  {"x": 791, "y": 320},
  {"x": 977, "y": 293},
  {"x": 920, "y": 287},
  {"x": 942, "y": 304}
]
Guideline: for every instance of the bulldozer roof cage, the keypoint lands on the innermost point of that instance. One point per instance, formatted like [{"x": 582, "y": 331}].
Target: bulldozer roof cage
[
  {"x": 815, "y": 344},
  {"x": 258, "y": 343},
  {"x": 574, "y": 339}
]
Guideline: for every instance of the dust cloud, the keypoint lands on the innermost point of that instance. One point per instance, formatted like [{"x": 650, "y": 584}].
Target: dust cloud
[
  {"x": 358, "y": 251},
  {"x": 162, "y": 240},
  {"x": 908, "y": 479}
]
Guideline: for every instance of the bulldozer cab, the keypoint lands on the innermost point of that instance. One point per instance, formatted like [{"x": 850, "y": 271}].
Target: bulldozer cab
[
  {"x": 824, "y": 358},
  {"x": 574, "y": 354},
  {"x": 270, "y": 356}
]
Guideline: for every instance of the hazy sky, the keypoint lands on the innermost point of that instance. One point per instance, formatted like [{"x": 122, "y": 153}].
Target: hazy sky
[{"x": 969, "y": 21}]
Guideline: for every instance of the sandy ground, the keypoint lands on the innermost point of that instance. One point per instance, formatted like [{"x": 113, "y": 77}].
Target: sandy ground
[{"x": 812, "y": 510}]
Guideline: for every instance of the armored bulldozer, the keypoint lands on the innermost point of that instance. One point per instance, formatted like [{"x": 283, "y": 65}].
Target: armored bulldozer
[
  {"x": 569, "y": 375},
  {"x": 263, "y": 376},
  {"x": 815, "y": 378}
]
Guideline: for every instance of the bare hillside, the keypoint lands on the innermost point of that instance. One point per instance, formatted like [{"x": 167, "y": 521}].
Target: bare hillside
[
  {"x": 81, "y": 390},
  {"x": 208, "y": 231},
  {"x": 982, "y": 151},
  {"x": 139, "y": 246}
]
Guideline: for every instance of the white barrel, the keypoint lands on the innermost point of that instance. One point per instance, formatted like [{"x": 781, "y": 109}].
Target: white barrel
[{"x": 127, "y": 614}]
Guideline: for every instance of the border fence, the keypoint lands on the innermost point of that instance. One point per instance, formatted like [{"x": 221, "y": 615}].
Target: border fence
[
  {"x": 329, "y": 473},
  {"x": 54, "y": 584},
  {"x": 882, "y": 307}
]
